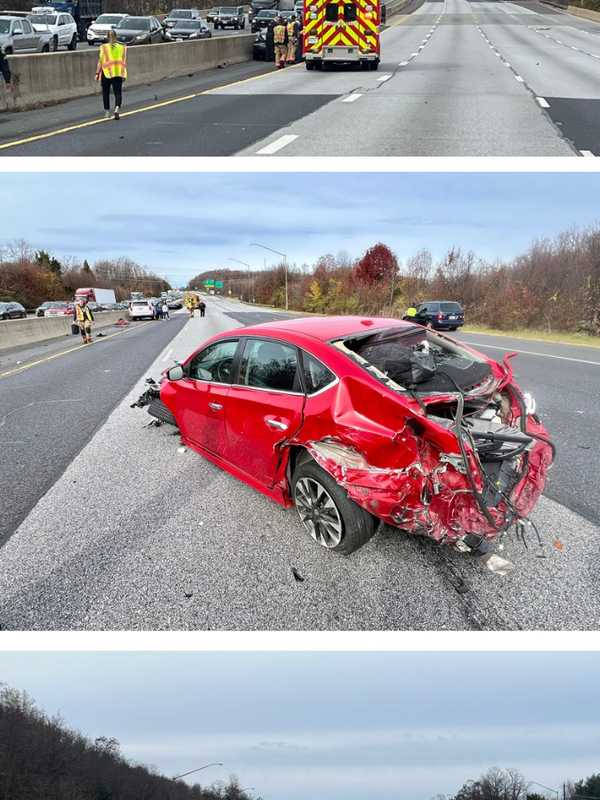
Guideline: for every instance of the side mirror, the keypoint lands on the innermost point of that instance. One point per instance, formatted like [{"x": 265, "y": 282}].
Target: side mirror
[{"x": 176, "y": 373}]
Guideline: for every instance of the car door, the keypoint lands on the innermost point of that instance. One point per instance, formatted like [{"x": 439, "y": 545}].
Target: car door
[
  {"x": 264, "y": 407},
  {"x": 156, "y": 30},
  {"x": 200, "y": 397},
  {"x": 64, "y": 32},
  {"x": 19, "y": 44},
  {"x": 30, "y": 37}
]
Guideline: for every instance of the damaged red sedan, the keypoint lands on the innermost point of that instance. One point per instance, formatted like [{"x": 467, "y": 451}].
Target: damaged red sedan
[{"x": 358, "y": 421}]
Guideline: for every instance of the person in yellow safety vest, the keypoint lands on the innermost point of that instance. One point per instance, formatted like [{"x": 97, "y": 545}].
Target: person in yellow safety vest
[
  {"x": 280, "y": 39},
  {"x": 293, "y": 32},
  {"x": 112, "y": 71},
  {"x": 411, "y": 313},
  {"x": 83, "y": 316}
]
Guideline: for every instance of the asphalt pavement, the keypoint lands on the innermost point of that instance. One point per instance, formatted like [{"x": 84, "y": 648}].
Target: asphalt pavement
[
  {"x": 172, "y": 542},
  {"x": 457, "y": 78},
  {"x": 55, "y": 395}
]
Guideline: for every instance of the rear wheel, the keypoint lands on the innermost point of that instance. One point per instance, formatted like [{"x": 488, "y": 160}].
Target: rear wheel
[
  {"x": 54, "y": 44},
  {"x": 331, "y": 518},
  {"x": 46, "y": 48},
  {"x": 73, "y": 43}
]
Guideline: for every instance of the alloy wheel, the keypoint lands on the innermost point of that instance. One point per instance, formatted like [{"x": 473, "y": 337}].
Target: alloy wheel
[{"x": 318, "y": 512}]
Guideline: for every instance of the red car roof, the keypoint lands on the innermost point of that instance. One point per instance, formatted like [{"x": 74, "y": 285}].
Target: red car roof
[{"x": 325, "y": 328}]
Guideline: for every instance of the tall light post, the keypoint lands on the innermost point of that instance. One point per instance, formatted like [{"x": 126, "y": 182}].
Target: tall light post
[
  {"x": 206, "y": 766},
  {"x": 285, "y": 265},
  {"x": 548, "y": 788},
  {"x": 237, "y": 260}
]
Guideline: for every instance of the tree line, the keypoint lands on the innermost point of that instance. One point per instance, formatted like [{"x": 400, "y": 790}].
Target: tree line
[
  {"x": 510, "y": 784},
  {"x": 554, "y": 285},
  {"x": 40, "y": 757},
  {"x": 30, "y": 276}
]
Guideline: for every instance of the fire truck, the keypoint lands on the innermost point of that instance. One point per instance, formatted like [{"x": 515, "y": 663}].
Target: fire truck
[{"x": 341, "y": 32}]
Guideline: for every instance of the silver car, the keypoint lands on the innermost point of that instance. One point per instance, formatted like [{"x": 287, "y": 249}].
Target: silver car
[{"x": 18, "y": 36}]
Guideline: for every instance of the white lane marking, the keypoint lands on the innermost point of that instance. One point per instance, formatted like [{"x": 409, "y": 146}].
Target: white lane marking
[
  {"x": 544, "y": 103},
  {"x": 519, "y": 78},
  {"x": 587, "y": 153},
  {"x": 278, "y": 144},
  {"x": 167, "y": 354},
  {"x": 403, "y": 64},
  {"x": 351, "y": 98},
  {"x": 533, "y": 353},
  {"x": 414, "y": 55},
  {"x": 506, "y": 64},
  {"x": 384, "y": 78}
]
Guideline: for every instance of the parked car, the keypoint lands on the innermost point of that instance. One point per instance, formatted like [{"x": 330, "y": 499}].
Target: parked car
[
  {"x": 174, "y": 304},
  {"x": 179, "y": 14},
  {"x": 99, "y": 29},
  {"x": 230, "y": 17},
  {"x": 357, "y": 421},
  {"x": 139, "y": 30},
  {"x": 441, "y": 314},
  {"x": 141, "y": 309},
  {"x": 61, "y": 27},
  {"x": 263, "y": 19},
  {"x": 211, "y": 13},
  {"x": 59, "y": 309},
  {"x": 188, "y": 29},
  {"x": 12, "y": 311},
  {"x": 41, "y": 309},
  {"x": 17, "y": 36},
  {"x": 260, "y": 5}
]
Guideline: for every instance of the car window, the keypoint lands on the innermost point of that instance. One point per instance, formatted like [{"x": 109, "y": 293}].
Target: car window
[
  {"x": 316, "y": 374},
  {"x": 216, "y": 359},
  {"x": 270, "y": 365},
  {"x": 331, "y": 12},
  {"x": 350, "y": 12},
  {"x": 17, "y": 27},
  {"x": 450, "y": 308},
  {"x": 26, "y": 26}
]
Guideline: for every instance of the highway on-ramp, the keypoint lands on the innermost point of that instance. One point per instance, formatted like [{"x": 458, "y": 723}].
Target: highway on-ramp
[
  {"x": 172, "y": 542},
  {"x": 457, "y": 78}
]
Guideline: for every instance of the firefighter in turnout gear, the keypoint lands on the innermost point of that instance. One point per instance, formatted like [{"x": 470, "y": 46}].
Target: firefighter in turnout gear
[
  {"x": 83, "y": 316},
  {"x": 293, "y": 34},
  {"x": 280, "y": 39},
  {"x": 112, "y": 71}
]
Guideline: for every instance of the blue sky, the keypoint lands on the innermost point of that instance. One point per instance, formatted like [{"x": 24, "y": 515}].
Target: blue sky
[
  {"x": 183, "y": 223},
  {"x": 331, "y": 726}
]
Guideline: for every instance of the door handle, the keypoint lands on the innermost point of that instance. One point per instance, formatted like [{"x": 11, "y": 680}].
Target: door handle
[
  {"x": 215, "y": 406},
  {"x": 281, "y": 426}
]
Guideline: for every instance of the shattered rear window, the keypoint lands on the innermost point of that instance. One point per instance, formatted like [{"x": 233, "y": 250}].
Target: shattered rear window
[{"x": 417, "y": 359}]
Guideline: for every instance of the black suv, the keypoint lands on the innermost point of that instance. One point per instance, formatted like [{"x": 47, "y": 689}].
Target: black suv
[
  {"x": 440, "y": 314},
  {"x": 260, "y": 5},
  {"x": 230, "y": 17}
]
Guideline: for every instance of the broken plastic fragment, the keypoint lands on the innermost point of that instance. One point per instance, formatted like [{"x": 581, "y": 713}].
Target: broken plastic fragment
[
  {"x": 497, "y": 564},
  {"x": 558, "y": 544},
  {"x": 341, "y": 454}
]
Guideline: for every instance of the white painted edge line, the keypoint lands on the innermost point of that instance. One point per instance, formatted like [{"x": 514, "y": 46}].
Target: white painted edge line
[
  {"x": 414, "y": 55},
  {"x": 544, "y": 103},
  {"x": 351, "y": 98},
  {"x": 167, "y": 354},
  {"x": 278, "y": 144},
  {"x": 506, "y": 64},
  {"x": 403, "y": 64},
  {"x": 587, "y": 154},
  {"x": 384, "y": 78},
  {"x": 519, "y": 78},
  {"x": 533, "y": 353}
]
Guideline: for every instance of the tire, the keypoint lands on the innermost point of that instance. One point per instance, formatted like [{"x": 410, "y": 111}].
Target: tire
[
  {"x": 309, "y": 65},
  {"x": 46, "y": 49},
  {"x": 8, "y": 51},
  {"x": 5, "y": 317},
  {"x": 347, "y": 526},
  {"x": 73, "y": 43},
  {"x": 54, "y": 46}
]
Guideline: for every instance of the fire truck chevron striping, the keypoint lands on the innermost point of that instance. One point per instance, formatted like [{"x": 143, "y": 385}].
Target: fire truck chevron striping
[{"x": 341, "y": 32}]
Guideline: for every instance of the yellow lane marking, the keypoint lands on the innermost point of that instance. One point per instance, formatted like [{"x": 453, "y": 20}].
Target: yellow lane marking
[
  {"x": 65, "y": 352},
  {"x": 37, "y": 137}
]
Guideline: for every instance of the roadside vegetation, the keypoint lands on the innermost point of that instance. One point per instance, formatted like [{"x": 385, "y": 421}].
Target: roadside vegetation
[
  {"x": 510, "y": 784},
  {"x": 30, "y": 277},
  {"x": 553, "y": 287},
  {"x": 40, "y": 757}
]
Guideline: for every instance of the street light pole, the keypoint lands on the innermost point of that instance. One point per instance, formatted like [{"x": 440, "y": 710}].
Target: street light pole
[
  {"x": 548, "y": 788},
  {"x": 285, "y": 265},
  {"x": 212, "y": 764},
  {"x": 237, "y": 260}
]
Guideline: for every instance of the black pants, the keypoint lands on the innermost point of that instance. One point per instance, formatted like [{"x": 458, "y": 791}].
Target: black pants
[
  {"x": 117, "y": 86},
  {"x": 4, "y": 68}
]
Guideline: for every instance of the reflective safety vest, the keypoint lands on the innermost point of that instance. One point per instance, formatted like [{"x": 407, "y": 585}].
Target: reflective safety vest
[
  {"x": 113, "y": 60},
  {"x": 279, "y": 32},
  {"x": 83, "y": 313},
  {"x": 411, "y": 312},
  {"x": 291, "y": 30}
]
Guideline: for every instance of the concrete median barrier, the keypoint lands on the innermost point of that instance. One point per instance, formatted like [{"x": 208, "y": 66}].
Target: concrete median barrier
[
  {"x": 53, "y": 77},
  {"x": 14, "y": 333}
]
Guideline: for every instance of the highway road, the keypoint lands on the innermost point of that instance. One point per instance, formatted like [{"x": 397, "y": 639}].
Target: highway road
[
  {"x": 55, "y": 395},
  {"x": 172, "y": 542},
  {"x": 457, "y": 78}
]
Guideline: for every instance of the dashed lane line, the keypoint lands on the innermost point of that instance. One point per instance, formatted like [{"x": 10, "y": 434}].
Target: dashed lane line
[
  {"x": 351, "y": 97},
  {"x": 543, "y": 102},
  {"x": 277, "y": 145}
]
